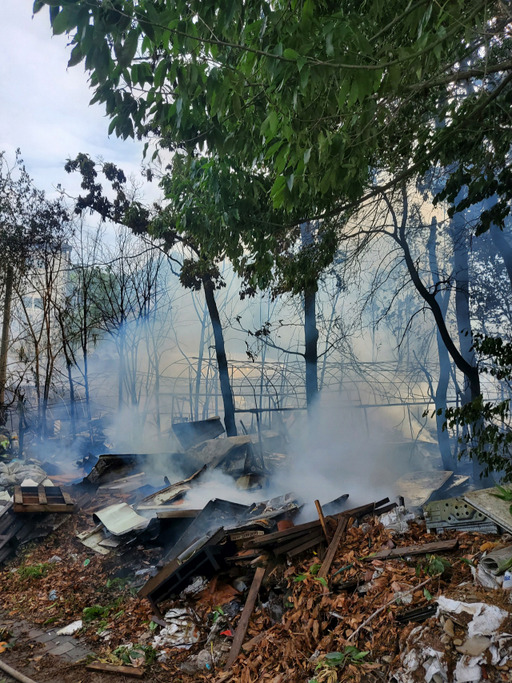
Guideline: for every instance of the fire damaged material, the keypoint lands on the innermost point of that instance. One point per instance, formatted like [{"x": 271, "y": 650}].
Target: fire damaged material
[
  {"x": 41, "y": 499},
  {"x": 113, "y": 466},
  {"x": 489, "y": 504},
  {"x": 456, "y": 513},
  {"x": 191, "y": 434},
  {"x": 418, "y": 487},
  {"x": 169, "y": 494},
  {"x": 228, "y": 453},
  {"x": 206, "y": 559},
  {"x": 120, "y": 519}
]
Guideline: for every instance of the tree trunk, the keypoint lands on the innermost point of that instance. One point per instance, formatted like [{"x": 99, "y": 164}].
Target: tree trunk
[
  {"x": 443, "y": 437},
  {"x": 222, "y": 363},
  {"x": 4, "y": 346},
  {"x": 471, "y": 389},
  {"x": 311, "y": 348}
]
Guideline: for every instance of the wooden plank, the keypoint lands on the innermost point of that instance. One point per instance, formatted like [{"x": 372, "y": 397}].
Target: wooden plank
[
  {"x": 298, "y": 541},
  {"x": 436, "y": 547},
  {"x": 134, "y": 671},
  {"x": 269, "y": 539},
  {"x": 369, "y": 508},
  {"x": 50, "y": 507},
  {"x": 67, "y": 498},
  {"x": 312, "y": 543},
  {"x": 322, "y": 520},
  {"x": 333, "y": 546},
  {"x": 241, "y": 629},
  {"x": 41, "y": 495},
  {"x": 18, "y": 496}
]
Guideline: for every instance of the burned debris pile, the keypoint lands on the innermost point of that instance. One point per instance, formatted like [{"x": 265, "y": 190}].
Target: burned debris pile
[{"x": 162, "y": 580}]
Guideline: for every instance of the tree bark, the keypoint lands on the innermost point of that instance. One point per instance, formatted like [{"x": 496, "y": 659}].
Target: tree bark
[
  {"x": 311, "y": 348},
  {"x": 4, "y": 346},
  {"x": 443, "y": 437},
  {"x": 222, "y": 363}
]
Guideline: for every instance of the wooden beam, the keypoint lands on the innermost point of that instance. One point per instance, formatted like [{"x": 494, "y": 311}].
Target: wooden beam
[
  {"x": 41, "y": 493},
  {"x": 333, "y": 546},
  {"x": 306, "y": 546},
  {"x": 436, "y": 547},
  {"x": 322, "y": 520},
  {"x": 134, "y": 671},
  {"x": 241, "y": 629}
]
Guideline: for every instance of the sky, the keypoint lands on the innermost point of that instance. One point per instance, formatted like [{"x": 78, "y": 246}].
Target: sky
[{"x": 44, "y": 108}]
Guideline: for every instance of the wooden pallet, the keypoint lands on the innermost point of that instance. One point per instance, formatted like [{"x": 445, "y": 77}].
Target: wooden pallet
[{"x": 41, "y": 499}]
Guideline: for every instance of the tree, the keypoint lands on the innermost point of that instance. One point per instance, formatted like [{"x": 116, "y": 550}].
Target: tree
[
  {"x": 30, "y": 226},
  {"x": 197, "y": 270},
  {"x": 222, "y": 77}
]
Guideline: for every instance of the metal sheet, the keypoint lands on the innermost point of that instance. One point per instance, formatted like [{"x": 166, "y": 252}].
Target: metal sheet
[
  {"x": 496, "y": 509},
  {"x": 417, "y": 487},
  {"x": 120, "y": 519}
]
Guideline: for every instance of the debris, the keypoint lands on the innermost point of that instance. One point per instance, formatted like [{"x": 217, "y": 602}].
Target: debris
[
  {"x": 133, "y": 671},
  {"x": 456, "y": 513},
  {"x": 397, "y": 519},
  {"x": 70, "y": 629},
  {"x": 15, "y": 674},
  {"x": 180, "y": 631},
  {"x": 246, "y": 615},
  {"x": 52, "y": 595},
  {"x": 191, "y": 434},
  {"x": 436, "y": 547},
  {"x": 322, "y": 520},
  {"x": 120, "y": 519},
  {"x": 486, "y": 501},
  {"x": 417, "y": 487},
  {"x": 333, "y": 547},
  {"x": 41, "y": 499}
]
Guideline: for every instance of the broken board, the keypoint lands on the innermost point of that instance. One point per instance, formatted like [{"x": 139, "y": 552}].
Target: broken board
[
  {"x": 417, "y": 487},
  {"x": 486, "y": 502}
]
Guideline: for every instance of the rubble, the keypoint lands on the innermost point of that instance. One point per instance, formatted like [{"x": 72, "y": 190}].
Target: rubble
[{"x": 266, "y": 591}]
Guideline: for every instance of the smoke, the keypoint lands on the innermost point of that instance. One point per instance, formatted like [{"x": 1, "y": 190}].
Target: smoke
[{"x": 335, "y": 451}]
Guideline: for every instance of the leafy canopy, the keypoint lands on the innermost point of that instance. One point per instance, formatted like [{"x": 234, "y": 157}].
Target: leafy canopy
[{"x": 316, "y": 93}]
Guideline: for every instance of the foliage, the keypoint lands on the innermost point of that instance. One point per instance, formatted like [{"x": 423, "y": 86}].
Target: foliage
[
  {"x": 332, "y": 660},
  {"x": 490, "y": 438},
  {"x": 36, "y": 571},
  {"x": 283, "y": 112}
]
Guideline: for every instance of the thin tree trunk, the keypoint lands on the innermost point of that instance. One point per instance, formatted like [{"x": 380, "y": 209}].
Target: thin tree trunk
[
  {"x": 222, "y": 363},
  {"x": 440, "y": 395},
  {"x": 311, "y": 348},
  {"x": 4, "y": 346},
  {"x": 471, "y": 389}
]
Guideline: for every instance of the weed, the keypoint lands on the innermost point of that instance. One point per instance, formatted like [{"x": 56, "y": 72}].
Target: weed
[
  {"x": 332, "y": 660},
  {"x": 35, "y": 571}
]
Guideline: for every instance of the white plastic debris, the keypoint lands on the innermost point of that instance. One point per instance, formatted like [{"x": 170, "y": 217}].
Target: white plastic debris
[
  {"x": 198, "y": 584},
  {"x": 480, "y": 644},
  {"x": 181, "y": 631},
  {"x": 397, "y": 519},
  {"x": 486, "y": 618},
  {"x": 70, "y": 628}
]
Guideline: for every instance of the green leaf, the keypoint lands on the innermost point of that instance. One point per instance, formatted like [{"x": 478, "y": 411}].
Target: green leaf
[
  {"x": 60, "y": 23},
  {"x": 321, "y": 580},
  {"x": 427, "y": 594},
  {"x": 291, "y": 54},
  {"x": 76, "y": 56}
]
